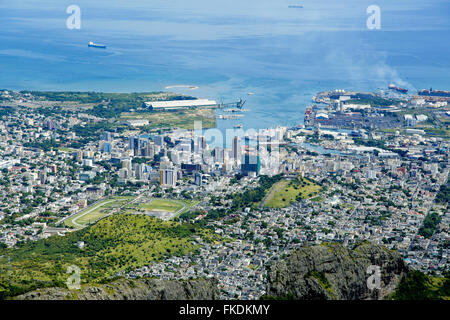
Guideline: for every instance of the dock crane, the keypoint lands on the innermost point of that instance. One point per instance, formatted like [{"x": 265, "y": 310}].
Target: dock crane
[{"x": 239, "y": 104}]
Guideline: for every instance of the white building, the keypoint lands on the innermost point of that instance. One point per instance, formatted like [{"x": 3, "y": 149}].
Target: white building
[{"x": 180, "y": 104}]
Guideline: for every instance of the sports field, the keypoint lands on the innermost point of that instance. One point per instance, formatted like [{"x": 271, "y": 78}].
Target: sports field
[
  {"x": 97, "y": 211},
  {"x": 166, "y": 209},
  {"x": 163, "y": 205}
]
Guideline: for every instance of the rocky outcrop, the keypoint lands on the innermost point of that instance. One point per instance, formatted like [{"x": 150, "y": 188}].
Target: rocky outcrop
[
  {"x": 332, "y": 272},
  {"x": 139, "y": 289}
]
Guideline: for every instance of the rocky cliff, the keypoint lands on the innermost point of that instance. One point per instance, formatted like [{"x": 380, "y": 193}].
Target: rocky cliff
[
  {"x": 140, "y": 289},
  {"x": 332, "y": 272}
]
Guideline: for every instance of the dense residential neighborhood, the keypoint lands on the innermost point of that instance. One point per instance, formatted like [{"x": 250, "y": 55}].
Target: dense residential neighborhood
[{"x": 270, "y": 191}]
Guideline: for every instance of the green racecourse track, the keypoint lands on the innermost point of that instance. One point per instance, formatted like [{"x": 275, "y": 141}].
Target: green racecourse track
[
  {"x": 97, "y": 211},
  {"x": 166, "y": 209}
]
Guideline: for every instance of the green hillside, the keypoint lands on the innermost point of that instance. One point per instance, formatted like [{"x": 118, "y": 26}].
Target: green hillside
[
  {"x": 286, "y": 192},
  {"x": 116, "y": 243},
  {"x": 419, "y": 286}
]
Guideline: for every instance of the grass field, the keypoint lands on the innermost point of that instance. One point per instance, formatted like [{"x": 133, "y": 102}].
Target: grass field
[
  {"x": 97, "y": 211},
  {"x": 443, "y": 132},
  {"x": 176, "y": 207},
  {"x": 163, "y": 205},
  {"x": 286, "y": 192},
  {"x": 183, "y": 119}
]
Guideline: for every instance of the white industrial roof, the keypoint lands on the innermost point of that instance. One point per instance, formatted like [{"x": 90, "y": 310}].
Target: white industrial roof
[
  {"x": 182, "y": 103},
  {"x": 322, "y": 115}
]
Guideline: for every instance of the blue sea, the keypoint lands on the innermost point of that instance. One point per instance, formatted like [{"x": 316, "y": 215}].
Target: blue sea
[{"x": 229, "y": 49}]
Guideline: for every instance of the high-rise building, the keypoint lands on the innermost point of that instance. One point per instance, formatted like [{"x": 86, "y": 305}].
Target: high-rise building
[
  {"x": 236, "y": 148},
  {"x": 123, "y": 173},
  {"x": 134, "y": 145},
  {"x": 79, "y": 155},
  {"x": 371, "y": 174},
  {"x": 107, "y": 147},
  {"x": 201, "y": 141},
  {"x": 49, "y": 124},
  {"x": 198, "y": 177},
  {"x": 252, "y": 164},
  {"x": 140, "y": 169},
  {"x": 159, "y": 140},
  {"x": 218, "y": 155},
  {"x": 88, "y": 162},
  {"x": 168, "y": 177},
  {"x": 43, "y": 177},
  {"x": 147, "y": 149},
  {"x": 175, "y": 157},
  {"x": 126, "y": 163},
  {"x": 189, "y": 168},
  {"x": 224, "y": 168},
  {"x": 107, "y": 136}
]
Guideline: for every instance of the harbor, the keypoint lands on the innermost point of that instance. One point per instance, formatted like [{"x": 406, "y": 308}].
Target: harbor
[{"x": 230, "y": 116}]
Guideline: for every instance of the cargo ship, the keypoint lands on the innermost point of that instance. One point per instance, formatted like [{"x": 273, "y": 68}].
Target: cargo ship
[
  {"x": 95, "y": 45},
  {"x": 398, "y": 89},
  {"x": 434, "y": 93}
]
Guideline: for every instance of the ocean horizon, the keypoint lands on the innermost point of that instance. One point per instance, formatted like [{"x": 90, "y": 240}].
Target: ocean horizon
[{"x": 282, "y": 56}]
